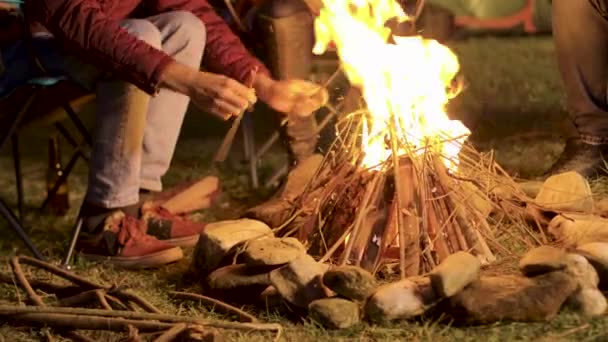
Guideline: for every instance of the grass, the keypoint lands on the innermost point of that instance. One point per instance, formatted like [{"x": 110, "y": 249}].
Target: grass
[{"x": 513, "y": 103}]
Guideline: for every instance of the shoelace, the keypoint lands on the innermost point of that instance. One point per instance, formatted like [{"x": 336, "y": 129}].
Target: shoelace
[{"x": 130, "y": 230}]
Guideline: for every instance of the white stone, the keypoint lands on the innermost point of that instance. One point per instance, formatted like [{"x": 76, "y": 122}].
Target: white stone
[
  {"x": 454, "y": 273},
  {"x": 574, "y": 230},
  {"x": 568, "y": 191},
  {"x": 219, "y": 238},
  {"x": 404, "y": 299}
]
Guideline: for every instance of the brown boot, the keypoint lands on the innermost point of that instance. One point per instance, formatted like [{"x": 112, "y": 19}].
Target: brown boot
[{"x": 123, "y": 242}]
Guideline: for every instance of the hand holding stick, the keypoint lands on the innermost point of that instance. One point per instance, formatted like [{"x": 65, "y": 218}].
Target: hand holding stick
[{"x": 222, "y": 152}]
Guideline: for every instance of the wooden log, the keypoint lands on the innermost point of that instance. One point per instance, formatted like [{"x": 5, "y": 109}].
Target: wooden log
[
  {"x": 465, "y": 221},
  {"x": 409, "y": 231},
  {"x": 196, "y": 197}
]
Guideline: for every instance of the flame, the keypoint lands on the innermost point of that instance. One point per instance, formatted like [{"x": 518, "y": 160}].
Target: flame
[{"x": 407, "y": 82}]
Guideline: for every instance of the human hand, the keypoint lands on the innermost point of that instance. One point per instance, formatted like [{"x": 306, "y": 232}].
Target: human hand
[
  {"x": 221, "y": 96},
  {"x": 297, "y": 97}
]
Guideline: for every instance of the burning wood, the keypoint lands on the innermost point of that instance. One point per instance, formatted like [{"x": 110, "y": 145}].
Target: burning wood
[{"x": 392, "y": 187}]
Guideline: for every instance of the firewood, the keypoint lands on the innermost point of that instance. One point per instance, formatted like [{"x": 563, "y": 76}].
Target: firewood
[
  {"x": 196, "y": 197},
  {"x": 463, "y": 217}
]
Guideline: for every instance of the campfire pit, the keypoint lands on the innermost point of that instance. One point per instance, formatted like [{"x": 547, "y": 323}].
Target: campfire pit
[{"x": 392, "y": 187}]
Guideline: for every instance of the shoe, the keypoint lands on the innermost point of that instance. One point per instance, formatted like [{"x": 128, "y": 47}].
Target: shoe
[
  {"x": 586, "y": 159},
  {"x": 176, "y": 230},
  {"x": 123, "y": 242}
]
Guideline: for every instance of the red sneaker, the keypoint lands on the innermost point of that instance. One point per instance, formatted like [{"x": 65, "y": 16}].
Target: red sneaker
[
  {"x": 123, "y": 242},
  {"x": 176, "y": 230}
]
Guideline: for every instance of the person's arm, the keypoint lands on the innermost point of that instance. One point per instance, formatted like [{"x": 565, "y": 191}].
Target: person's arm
[
  {"x": 224, "y": 52},
  {"x": 84, "y": 29}
]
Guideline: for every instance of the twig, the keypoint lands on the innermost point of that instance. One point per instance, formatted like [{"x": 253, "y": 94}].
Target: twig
[
  {"x": 87, "y": 322},
  {"x": 18, "y": 272},
  {"x": 79, "y": 299},
  {"x": 18, "y": 311},
  {"x": 101, "y": 297},
  {"x": 172, "y": 333},
  {"x": 61, "y": 273},
  {"x": 128, "y": 295},
  {"x": 227, "y": 308}
]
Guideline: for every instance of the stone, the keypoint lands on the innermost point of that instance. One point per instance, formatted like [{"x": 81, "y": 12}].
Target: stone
[
  {"x": 300, "y": 281},
  {"x": 582, "y": 271},
  {"x": 335, "y": 313},
  {"x": 237, "y": 276},
  {"x": 512, "y": 298},
  {"x": 404, "y": 299},
  {"x": 589, "y": 302},
  {"x": 567, "y": 191},
  {"x": 272, "y": 251},
  {"x": 542, "y": 260},
  {"x": 454, "y": 273},
  {"x": 218, "y": 240},
  {"x": 575, "y": 230},
  {"x": 237, "y": 283},
  {"x": 597, "y": 255},
  {"x": 587, "y": 299},
  {"x": 351, "y": 282}
]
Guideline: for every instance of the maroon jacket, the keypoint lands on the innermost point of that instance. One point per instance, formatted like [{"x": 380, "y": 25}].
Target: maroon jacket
[{"x": 90, "y": 29}]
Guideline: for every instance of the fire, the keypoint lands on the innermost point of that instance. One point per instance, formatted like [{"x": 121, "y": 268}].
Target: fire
[{"x": 406, "y": 82}]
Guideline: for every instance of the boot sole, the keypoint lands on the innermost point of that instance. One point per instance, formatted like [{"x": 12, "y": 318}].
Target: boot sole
[
  {"x": 152, "y": 260},
  {"x": 184, "y": 242}
]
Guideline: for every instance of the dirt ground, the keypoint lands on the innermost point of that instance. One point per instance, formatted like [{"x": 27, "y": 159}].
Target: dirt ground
[{"x": 513, "y": 103}]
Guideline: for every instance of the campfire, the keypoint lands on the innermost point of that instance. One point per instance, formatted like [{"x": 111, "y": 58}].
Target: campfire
[{"x": 398, "y": 184}]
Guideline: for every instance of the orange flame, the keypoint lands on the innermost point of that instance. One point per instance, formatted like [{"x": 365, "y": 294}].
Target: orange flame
[{"x": 406, "y": 82}]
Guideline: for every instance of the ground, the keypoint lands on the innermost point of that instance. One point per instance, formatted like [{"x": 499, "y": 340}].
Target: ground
[{"x": 513, "y": 103}]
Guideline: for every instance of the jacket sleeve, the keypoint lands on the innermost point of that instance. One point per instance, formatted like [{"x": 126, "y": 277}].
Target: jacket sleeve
[
  {"x": 224, "y": 51},
  {"x": 83, "y": 28}
]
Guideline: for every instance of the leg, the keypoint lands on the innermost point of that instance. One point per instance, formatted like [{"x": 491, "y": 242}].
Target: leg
[
  {"x": 116, "y": 154},
  {"x": 182, "y": 37},
  {"x": 581, "y": 40}
]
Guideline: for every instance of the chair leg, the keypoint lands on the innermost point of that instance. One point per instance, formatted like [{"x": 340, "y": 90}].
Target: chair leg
[
  {"x": 18, "y": 175},
  {"x": 78, "y": 123},
  {"x": 68, "y": 137},
  {"x": 62, "y": 179},
  {"x": 12, "y": 221},
  {"x": 70, "y": 253}
]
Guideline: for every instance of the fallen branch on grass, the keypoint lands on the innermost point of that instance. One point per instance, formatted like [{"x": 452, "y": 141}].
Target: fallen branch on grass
[{"x": 224, "y": 307}]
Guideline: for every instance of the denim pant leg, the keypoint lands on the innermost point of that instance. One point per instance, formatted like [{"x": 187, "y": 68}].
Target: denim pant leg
[
  {"x": 183, "y": 37},
  {"x": 135, "y": 134},
  {"x": 580, "y": 33}
]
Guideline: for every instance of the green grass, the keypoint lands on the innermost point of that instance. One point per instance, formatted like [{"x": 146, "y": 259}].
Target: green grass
[{"x": 513, "y": 103}]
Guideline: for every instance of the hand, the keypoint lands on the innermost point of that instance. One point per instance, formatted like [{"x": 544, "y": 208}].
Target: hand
[
  {"x": 220, "y": 95},
  {"x": 297, "y": 97}
]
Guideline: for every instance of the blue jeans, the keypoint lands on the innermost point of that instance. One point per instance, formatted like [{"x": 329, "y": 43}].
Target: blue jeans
[{"x": 135, "y": 134}]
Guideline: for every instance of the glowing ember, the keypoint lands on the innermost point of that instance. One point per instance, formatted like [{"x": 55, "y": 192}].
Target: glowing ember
[{"x": 409, "y": 78}]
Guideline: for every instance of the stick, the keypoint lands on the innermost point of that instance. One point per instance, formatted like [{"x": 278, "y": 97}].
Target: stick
[
  {"x": 17, "y": 312},
  {"x": 18, "y": 272},
  {"x": 82, "y": 298},
  {"x": 227, "y": 308},
  {"x": 137, "y": 299},
  {"x": 80, "y": 281},
  {"x": 172, "y": 333},
  {"x": 472, "y": 238},
  {"x": 222, "y": 152},
  {"x": 371, "y": 189},
  {"x": 72, "y": 321}
]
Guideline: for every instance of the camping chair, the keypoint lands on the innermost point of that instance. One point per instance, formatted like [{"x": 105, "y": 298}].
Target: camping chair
[
  {"x": 43, "y": 100},
  {"x": 28, "y": 106}
]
